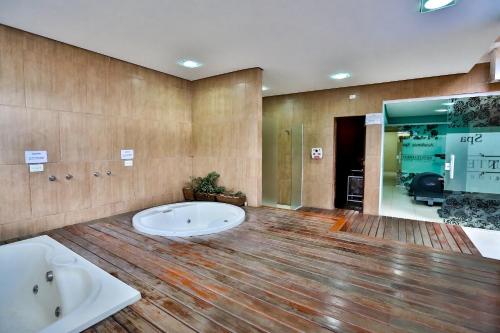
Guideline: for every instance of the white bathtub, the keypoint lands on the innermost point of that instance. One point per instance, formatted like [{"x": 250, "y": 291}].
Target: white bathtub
[
  {"x": 188, "y": 219},
  {"x": 81, "y": 293}
]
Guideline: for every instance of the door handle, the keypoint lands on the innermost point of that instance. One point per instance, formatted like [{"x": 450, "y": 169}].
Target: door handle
[{"x": 452, "y": 166}]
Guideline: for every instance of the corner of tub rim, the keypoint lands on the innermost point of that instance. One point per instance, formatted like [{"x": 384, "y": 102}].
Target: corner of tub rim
[{"x": 43, "y": 238}]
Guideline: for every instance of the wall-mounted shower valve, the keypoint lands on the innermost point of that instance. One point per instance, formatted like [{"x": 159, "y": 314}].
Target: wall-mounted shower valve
[
  {"x": 108, "y": 172},
  {"x": 96, "y": 174},
  {"x": 69, "y": 176},
  {"x": 52, "y": 178}
]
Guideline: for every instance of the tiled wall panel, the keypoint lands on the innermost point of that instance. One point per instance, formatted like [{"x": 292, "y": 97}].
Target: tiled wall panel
[
  {"x": 83, "y": 108},
  {"x": 227, "y": 130}
]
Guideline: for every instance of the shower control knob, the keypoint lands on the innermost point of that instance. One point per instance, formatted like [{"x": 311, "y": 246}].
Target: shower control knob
[
  {"x": 69, "y": 176},
  {"x": 52, "y": 178},
  {"x": 108, "y": 172},
  {"x": 96, "y": 174}
]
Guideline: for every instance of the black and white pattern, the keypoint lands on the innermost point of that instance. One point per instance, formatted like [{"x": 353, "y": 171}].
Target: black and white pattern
[
  {"x": 477, "y": 111},
  {"x": 477, "y": 210}
]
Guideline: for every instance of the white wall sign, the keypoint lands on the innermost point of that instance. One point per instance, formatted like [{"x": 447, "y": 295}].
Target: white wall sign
[
  {"x": 374, "y": 119},
  {"x": 128, "y": 163},
  {"x": 127, "y": 154},
  {"x": 36, "y": 167},
  {"x": 35, "y": 156}
]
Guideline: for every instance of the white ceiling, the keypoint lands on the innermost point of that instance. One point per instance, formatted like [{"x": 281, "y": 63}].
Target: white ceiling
[{"x": 298, "y": 43}]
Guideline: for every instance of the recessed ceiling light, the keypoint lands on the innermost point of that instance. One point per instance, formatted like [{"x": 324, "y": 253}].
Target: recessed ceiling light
[
  {"x": 449, "y": 103},
  {"x": 431, "y": 5},
  {"x": 441, "y": 110},
  {"x": 340, "y": 76},
  {"x": 404, "y": 134},
  {"x": 264, "y": 88},
  {"x": 189, "y": 63}
]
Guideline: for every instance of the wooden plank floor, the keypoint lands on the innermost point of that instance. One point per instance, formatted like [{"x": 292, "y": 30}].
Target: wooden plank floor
[
  {"x": 284, "y": 271},
  {"x": 441, "y": 236}
]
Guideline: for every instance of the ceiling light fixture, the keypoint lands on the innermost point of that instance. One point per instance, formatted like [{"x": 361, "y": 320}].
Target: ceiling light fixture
[
  {"x": 449, "y": 103},
  {"x": 264, "y": 88},
  {"x": 340, "y": 76},
  {"x": 441, "y": 110},
  {"x": 189, "y": 63},
  {"x": 432, "y": 5}
]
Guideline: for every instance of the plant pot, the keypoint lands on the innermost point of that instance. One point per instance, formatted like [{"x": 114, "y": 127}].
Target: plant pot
[
  {"x": 188, "y": 193},
  {"x": 204, "y": 196},
  {"x": 230, "y": 199}
]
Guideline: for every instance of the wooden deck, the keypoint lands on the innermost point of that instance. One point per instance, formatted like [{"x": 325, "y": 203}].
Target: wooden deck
[
  {"x": 436, "y": 235},
  {"x": 284, "y": 271}
]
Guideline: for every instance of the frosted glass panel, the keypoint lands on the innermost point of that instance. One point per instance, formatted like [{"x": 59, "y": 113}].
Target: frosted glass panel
[
  {"x": 474, "y": 161},
  {"x": 472, "y": 181},
  {"x": 269, "y": 160},
  {"x": 297, "y": 156},
  {"x": 282, "y": 150},
  {"x": 423, "y": 154}
]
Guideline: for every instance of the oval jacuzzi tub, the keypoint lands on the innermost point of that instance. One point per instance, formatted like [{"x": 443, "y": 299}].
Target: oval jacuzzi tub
[{"x": 188, "y": 219}]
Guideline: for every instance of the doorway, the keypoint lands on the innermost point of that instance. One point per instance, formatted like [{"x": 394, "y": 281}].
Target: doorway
[{"x": 349, "y": 162}]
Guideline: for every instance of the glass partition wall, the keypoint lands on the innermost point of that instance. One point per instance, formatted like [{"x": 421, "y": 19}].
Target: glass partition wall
[
  {"x": 442, "y": 160},
  {"x": 282, "y": 152}
]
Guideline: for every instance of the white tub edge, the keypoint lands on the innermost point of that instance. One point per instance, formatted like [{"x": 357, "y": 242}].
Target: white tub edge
[{"x": 110, "y": 286}]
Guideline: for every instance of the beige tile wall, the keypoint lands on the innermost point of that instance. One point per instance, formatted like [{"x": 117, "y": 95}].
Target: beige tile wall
[
  {"x": 318, "y": 109},
  {"x": 83, "y": 108},
  {"x": 227, "y": 130}
]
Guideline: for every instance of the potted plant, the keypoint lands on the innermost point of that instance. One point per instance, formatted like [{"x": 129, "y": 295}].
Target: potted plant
[
  {"x": 234, "y": 198},
  {"x": 188, "y": 190},
  {"x": 206, "y": 188}
]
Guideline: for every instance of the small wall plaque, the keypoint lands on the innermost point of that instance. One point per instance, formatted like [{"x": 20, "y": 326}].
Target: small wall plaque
[
  {"x": 36, "y": 167},
  {"x": 35, "y": 156},
  {"x": 127, "y": 154},
  {"x": 374, "y": 119}
]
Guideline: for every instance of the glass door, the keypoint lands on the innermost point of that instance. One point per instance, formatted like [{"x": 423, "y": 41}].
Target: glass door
[{"x": 472, "y": 168}]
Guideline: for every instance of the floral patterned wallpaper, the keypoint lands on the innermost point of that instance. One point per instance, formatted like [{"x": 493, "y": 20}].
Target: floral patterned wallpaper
[
  {"x": 476, "y": 210},
  {"x": 477, "y": 111}
]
